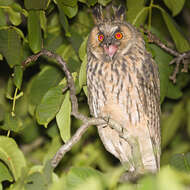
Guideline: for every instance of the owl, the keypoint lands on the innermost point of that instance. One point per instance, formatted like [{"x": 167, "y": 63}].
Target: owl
[{"x": 123, "y": 85}]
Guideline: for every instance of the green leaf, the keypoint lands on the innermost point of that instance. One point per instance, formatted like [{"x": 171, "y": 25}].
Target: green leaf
[
  {"x": 34, "y": 31},
  {"x": 18, "y": 74},
  {"x": 148, "y": 183},
  {"x": 17, "y": 8},
  {"x": 103, "y": 2},
  {"x": 89, "y": 2},
  {"x": 63, "y": 20},
  {"x": 52, "y": 42},
  {"x": 50, "y": 105},
  {"x": 84, "y": 24},
  {"x": 43, "y": 22},
  {"x": 63, "y": 118},
  {"x": 112, "y": 178},
  {"x": 10, "y": 47},
  {"x": 135, "y": 9},
  {"x": 188, "y": 116},
  {"x": 11, "y": 155},
  {"x": 14, "y": 17},
  {"x": 48, "y": 172},
  {"x": 10, "y": 88},
  {"x": 70, "y": 3},
  {"x": 3, "y": 21},
  {"x": 141, "y": 17},
  {"x": 35, "y": 181},
  {"x": 48, "y": 77},
  {"x": 36, "y": 4},
  {"x": 85, "y": 90},
  {"x": 182, "y": 80},
  {"x": 91, "y": 183},
  {"x": 5, "y": 174},
  {"x": 21, "y": 34},
  {"x": 12, "y": 123},
  {"x": 181, "y": 162},
  {"x": 55, "y": 144},
  {"x": 162, "y": 59},
  {"x": 60, "y": 184},
  {"x": 78, "y": 176},
  {"x": 175, "y": 6},
  {"x": 173, "y": 91},
  {"x": 40, "y": 177},
  {"x": 2, "y": 112},
  {"x": 171, "y": 123},
  {"x": 70, "y": 11},
  {"x": 126, "y": 187},
  {"x": 30, "y": 132},
  {"x": 6, "y": 2},
  {"x": 82, "y": 73},
  {"x": 181, "y": 43},
  {"x": 82, "y": 49},
  {"x": 69, "y": 55},
  {"x": 167, "y": 177}
]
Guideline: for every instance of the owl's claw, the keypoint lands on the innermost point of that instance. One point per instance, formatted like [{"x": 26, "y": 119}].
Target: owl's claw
[
  {"x": 113, "y": 124},
  {"x": 106, "y": 119}
]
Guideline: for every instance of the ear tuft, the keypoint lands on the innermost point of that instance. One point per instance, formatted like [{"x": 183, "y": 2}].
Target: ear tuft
[
  {"x": 98, "y": 15},
  {"x": 119, "y": 13}
]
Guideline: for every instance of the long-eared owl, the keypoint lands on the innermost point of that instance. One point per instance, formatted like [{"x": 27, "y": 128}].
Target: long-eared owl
[{"x": 123, "y": 85}]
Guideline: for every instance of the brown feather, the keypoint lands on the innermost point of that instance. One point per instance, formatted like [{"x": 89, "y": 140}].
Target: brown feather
[{"x": 125, "y": 88}]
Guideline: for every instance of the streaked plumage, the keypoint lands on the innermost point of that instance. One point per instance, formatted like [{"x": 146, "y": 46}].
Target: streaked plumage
[{"x": 123, "y": 85}]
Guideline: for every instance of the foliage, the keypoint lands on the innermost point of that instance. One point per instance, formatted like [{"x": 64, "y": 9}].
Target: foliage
[{"x": 35, "y": 115}]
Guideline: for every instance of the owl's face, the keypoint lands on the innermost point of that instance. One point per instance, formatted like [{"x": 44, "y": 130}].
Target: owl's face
[{"x": 109, "y": 39}]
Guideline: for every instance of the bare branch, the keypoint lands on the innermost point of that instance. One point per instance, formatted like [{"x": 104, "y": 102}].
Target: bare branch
[
  {"x": 179, "y": 57},
  {"x": 78, "y": 134},
  {"x": 154, "y": 39},
  {"x": 75, "y": 138}
]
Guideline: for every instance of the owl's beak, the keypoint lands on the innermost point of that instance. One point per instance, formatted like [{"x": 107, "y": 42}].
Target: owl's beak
[{"x": 110, "y": 50}]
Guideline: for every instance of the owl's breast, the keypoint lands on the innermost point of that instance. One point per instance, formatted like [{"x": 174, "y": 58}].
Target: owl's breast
[{"x": 114, "y": 91}]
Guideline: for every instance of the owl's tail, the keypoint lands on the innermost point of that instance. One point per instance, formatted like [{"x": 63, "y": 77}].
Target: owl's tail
[
  {"x": 136, "y": 153},
  {"x": 143, "y": 157}
]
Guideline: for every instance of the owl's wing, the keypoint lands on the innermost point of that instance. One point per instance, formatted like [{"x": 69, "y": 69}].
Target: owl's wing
[
  {"x": 151, "y": 86},
  {"x": 90, "y": 100}
]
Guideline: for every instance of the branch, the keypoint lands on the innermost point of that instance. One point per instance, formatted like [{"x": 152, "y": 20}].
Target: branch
[
  {"x": 179, "y": 57},
  {"x": 86, "y": 120},
  {"x": 75, "y": 138}
]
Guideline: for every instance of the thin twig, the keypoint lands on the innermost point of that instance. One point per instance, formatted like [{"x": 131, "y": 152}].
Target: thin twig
[
  {"x": 179, "y": 57},
  {"x": 154, "y": 39}
]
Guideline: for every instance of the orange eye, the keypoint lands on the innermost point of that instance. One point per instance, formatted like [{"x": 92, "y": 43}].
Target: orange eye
[
  {"x": 118, "y": 35},
  {"x": 100, "y": 37}
]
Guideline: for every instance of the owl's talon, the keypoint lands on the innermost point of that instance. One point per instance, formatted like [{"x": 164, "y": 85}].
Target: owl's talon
[{"x": 107, "y": 119}]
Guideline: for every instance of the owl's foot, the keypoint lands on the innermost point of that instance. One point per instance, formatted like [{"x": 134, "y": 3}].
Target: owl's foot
[
  {"x": 106, "y": 119},
  {"x": 113, "y": 124}
]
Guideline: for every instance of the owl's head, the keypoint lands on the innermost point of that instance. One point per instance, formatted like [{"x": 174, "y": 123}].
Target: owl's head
[{"x": 110, "y": 37}]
